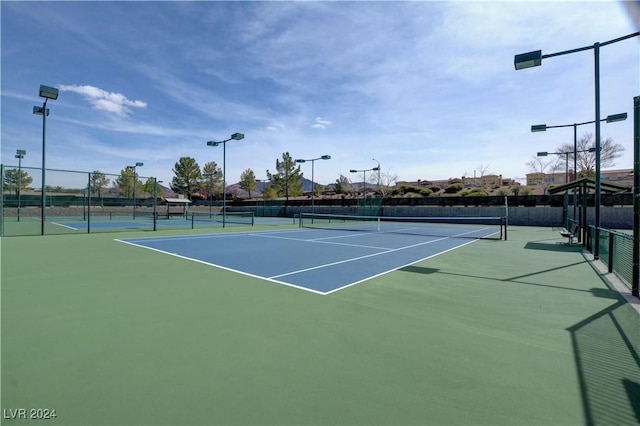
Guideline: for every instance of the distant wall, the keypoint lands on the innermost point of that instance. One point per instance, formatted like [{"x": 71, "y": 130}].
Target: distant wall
[{"x": 610, "y": 217}]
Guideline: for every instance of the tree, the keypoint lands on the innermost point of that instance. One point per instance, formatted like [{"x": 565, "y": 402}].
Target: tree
[
  {"x": 98, "y": 182},
  {"x": 16, "y": 180},
  {"x": 211, "y": 182},
  {"x": 544, "y": 166},
  {"x": 151, "y": 186},
  {"x": 125, "y": 182},
  {"x": 343, "y": 185},
  {"x": 270, "y": 193},
  {"x": 248, "y": 181},
  {"x": 387, "y": 180},
  {"x": 586, "y": 161},
  {"x": 187, "y": 177},
  {"x": 286, "y": 180}
]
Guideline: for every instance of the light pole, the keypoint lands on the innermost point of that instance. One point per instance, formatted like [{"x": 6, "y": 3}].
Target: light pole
[
  {"x": 47, "y": 93},
  {"x": 313, "y": 189},
  {"x": 155, "y": 202},
  {"x": 543, "y": 128},
  {"x": 135, "y": 178},
  {"x": 364, "y": 183},
  {"x": 20, "y": 153},
  {"x": 534, "y": 59},
  {"x": 378, "y": 173},
  {"x": 235, "y": 137}
]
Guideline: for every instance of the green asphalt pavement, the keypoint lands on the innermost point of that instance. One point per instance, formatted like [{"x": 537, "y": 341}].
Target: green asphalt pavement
[{"x": 517, "y": 332}]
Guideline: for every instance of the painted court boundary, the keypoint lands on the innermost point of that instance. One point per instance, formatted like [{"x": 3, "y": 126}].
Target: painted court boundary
[{"x": 140, "y": 242}]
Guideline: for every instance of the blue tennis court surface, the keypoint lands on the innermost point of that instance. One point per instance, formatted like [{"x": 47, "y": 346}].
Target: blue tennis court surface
[{"x": 317, "y": 260}]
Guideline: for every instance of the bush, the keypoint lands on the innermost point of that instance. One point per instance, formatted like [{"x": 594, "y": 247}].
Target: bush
[{"x": 453, "y": 188}]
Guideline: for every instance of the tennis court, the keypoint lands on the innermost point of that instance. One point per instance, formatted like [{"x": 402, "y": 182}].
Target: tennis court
[
  {"x": 328, "y": 258},
  {"x": 517, "y": 332}
]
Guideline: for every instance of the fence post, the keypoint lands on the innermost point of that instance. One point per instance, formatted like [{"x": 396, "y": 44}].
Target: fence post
[{"x": 611, "y": 239}]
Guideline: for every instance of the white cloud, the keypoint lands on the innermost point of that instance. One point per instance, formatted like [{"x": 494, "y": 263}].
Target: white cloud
[
  {"x": 320, "y": 123},
  {"x": 102, "y": 100}
]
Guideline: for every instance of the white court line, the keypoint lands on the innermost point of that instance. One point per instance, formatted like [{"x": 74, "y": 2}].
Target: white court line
[
  {"x": 222, "y": 267},
  {"x": 357, "y": 258},
  {"x": 318, "y": 240},
  {"x": 66, "y": 226}
]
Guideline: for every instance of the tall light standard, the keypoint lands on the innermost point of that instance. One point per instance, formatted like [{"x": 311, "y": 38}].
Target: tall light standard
[
  {"x": 155, "y": 202},
  {"x": 20, "y": 153},
  {"x": 378, "y": 173},
  {"x": 313, "y": 189},
  {"x": 235, "y": 137},
  {"x": 543, "y": 128},
  {"x": 135, "y": 178},
  {"x": 364, "y": 183},
  {"x": 47, "y": 93},
  {"x": 534, "y": 59}
]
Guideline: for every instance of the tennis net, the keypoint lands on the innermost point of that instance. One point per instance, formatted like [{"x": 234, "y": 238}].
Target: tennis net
[
  {"x": 493, "y": 228},
  {"x": 239, "y": 218}
]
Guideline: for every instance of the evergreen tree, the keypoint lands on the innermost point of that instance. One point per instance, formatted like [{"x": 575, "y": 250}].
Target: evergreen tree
[
  {"x": 286, "y": 180},
  {"x": 98, "y": 182},
  {"x": 187, "y": 177},
  {"x": 248, "y": 181},
  {"x": 211, "y": 182}
]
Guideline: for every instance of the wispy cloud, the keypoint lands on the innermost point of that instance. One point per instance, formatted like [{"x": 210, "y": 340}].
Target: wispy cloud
[
  {"x": 102, "y": 100},
  {"x": 320, "y": 123}
]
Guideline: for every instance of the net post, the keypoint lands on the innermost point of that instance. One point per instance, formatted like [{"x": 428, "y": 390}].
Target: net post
[
  {"x": 193, "y": 220},
  {"x": 378, "y": 223}
]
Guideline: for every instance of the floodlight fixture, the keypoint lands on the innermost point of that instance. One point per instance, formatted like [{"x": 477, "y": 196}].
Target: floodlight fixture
[
  {"x": 539, "y": 128},
  {"x": 528, "y": 60},
  {"x": 21, "y": 152},
  {"x": 542, "y": 154},
  {"x": 616, "y": 117},
  {"x": 48, "y": 92},
  {"x": 37, "y": 110}
]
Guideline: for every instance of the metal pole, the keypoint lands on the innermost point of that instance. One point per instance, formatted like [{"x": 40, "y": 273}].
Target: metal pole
[
  {"x": 596, "y": 249},
  {"x": 19, "y": 183},
  {"x": 155, "y": 202},
  {"x": 575, "y": 169},
  {"x": 224, "y": 183},
  {"x": 89, "y": 205},
  {"x": 43, "y": 215},
  {"x": 635, "y": 284},
  {"x": 313, "y": 189},
  {"x": 134, "y": 192}
]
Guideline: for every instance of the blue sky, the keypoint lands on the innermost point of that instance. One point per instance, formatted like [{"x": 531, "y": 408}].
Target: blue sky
[{"x": 426, "y": 88}]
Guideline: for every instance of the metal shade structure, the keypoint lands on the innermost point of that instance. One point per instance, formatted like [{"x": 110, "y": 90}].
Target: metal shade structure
[
  {"x": 534, "y": 59},
  {"x": 235, "y": 137},
  {"x": 46, "y": 92}
]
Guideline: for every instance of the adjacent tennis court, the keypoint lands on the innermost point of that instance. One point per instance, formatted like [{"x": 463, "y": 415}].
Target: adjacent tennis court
[{"x": 338, "y": 252}]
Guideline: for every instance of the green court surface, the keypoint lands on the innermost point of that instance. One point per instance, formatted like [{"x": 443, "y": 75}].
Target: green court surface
[{"x": 517, "y": 332}]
